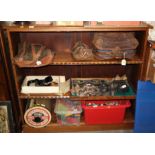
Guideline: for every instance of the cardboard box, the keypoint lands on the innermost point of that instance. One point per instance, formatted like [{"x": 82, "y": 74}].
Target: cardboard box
[
  {"x": 121, "y": 23},
  {"x": 43, "y": 22},
  {"x": 68, "y": 23},
  {"x": 60, "y": 88}
]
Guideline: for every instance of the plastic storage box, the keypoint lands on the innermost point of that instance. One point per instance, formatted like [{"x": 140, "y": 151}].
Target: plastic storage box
[
  {"x": 68, "y": 112},
  {"x": 104, "y": 112}
]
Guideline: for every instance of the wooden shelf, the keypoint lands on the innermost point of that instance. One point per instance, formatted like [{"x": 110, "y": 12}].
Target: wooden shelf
[
  {"x": 54, "y": 96},
  {"x": 67, "y": 59},
  {"x": 103, "y": 98},
  {"x": 128, "y": 123},
  {"x": 81, "y": 128},
  {"x": 141, "y": 27},
  {"x": 48, "y": 96}
]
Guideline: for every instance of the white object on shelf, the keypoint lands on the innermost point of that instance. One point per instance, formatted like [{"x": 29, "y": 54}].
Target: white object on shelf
[
  {"x": 69, "y": 23},
  {"x": 43, "y": 22},
  {"x": 123, "y": 62},
  {"x": 44, "y": 89}
]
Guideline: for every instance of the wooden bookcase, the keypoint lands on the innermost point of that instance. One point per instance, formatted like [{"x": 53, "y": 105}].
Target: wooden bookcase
[
  {"x": 61, "y": 40},
  {"x": 4, "y": 95}
]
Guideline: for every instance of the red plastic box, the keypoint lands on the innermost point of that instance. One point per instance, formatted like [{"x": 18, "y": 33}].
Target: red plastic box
[{"x": 105, "y": 114}]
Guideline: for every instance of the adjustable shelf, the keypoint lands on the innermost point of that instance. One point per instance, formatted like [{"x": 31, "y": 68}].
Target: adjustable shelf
[
  {"x": 103, "y": 98},
  {"x": 54, "y": 96},
  {"x": 66, "y": 59},
  {"x": 47, "y": 96}
]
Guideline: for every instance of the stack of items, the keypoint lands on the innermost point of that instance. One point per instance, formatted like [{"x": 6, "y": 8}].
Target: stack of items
[
  {"x": 107, "y": 45},
  {"x": 90, "y": 87},
  {"x": 68, "y": 112},
  {"x": 111, "y": 23},
  {"x": 117, "y": 86}
]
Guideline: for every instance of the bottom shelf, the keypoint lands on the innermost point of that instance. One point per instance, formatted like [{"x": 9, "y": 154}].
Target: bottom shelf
[{"x": 127, "y": 124}]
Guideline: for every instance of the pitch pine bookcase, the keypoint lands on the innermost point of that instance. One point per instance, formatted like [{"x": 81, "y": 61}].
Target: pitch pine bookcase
[{"x": 61, "y": 40}]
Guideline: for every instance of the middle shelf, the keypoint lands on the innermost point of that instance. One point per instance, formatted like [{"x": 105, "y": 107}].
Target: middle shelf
[
  {"x": 54, "y": 96},
  {"x": 76, "y": 88}
]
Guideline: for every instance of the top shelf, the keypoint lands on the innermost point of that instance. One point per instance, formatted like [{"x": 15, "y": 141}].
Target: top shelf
[{"x": 50, "y": 28}]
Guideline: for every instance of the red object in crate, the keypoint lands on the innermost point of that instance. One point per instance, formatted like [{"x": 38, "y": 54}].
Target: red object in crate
[{"x": 105, "y": 114}]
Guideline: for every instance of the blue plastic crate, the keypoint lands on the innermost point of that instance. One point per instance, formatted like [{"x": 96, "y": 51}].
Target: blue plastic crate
[{"x": 145, "y": 108}]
